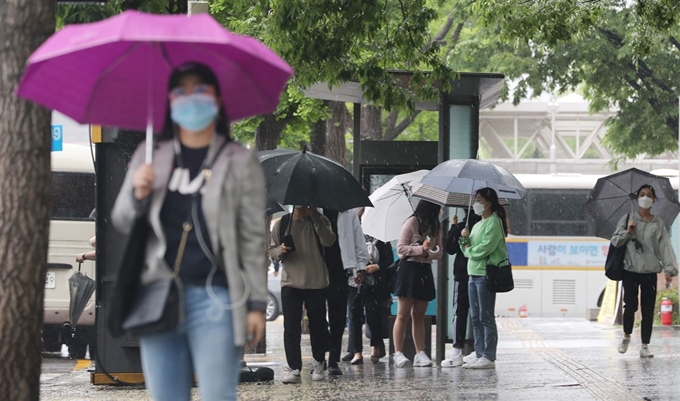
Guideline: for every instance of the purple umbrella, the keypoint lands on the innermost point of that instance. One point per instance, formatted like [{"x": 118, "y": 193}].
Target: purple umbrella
[{"x": 115, "y": 72}]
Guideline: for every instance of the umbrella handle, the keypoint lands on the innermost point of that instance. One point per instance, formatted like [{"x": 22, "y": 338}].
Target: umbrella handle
[
  {"x": 80, "y": 264},
  {"x": 435, "y": 250}
]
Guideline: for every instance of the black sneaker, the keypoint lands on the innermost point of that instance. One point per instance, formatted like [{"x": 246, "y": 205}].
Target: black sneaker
[{"x": 334, "y": 370}]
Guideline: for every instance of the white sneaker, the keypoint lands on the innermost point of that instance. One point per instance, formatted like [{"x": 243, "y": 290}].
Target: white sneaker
[
  {"x": 453, "y": 359},
  {"x": 292, "y": 377},
  {"x": 399, "y": 359},
  {"x": 470, "y": 360},
  {"x": 645, "y": 352},
  {"x": 625, "y": 342},
  {"x": 483, "y": 363},
  {"x": 421, "y": 360},
  {"x": 319, "y": 372}
]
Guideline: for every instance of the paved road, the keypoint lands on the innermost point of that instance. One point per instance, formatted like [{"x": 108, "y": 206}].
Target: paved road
[{"x": 538, "y": 359}]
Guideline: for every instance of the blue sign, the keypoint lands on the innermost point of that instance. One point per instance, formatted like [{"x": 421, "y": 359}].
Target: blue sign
[{"x": 57, "y": 138}]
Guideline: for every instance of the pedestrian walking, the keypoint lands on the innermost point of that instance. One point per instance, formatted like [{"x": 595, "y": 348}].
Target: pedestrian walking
[
  {"x": 346, "y": 260},
  {"x": 203, "y": 199},
  {"x": 298, "y": 242},
  {"x": 368, "y": 300},
  {"x": 419, "y": 244},
  {"x": 461, "y": 300},
  {"x": 484, "y": 244},
  {"x": 648, "y": 252}
]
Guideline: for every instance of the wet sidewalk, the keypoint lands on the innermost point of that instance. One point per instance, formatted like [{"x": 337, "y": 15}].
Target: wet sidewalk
[{"x": 538, "y": 359}]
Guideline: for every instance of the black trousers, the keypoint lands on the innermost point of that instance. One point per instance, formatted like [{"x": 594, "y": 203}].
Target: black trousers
[
  {"x": 336, "y": 297},
  {"x": 357, "y": 302},
  {"x": 647, "y": 285},
  {"x": 461, "y": 307},
  {"x": 314, "y": 301}
]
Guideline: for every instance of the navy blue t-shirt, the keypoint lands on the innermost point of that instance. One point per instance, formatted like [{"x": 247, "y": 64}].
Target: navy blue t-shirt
[{"x": 177, "y": 209}]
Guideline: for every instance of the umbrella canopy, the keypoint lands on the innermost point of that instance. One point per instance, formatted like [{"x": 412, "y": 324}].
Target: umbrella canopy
[
  {"x": 124, "y": 64},
  {"x": 304, "y": 179},
  {"x": 445, "y": 198},
  {"x": 466, "y": 177},
  {"x": 613, "y": 197},
  {"x": 81, "y": 289},
  {"x": 392, "y": 205}
]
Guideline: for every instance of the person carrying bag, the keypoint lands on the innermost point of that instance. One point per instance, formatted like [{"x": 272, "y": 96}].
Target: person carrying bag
[{"x": 484, "y": 246}]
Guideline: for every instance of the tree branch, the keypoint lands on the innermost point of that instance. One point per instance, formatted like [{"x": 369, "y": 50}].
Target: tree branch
[
  {"x": 675, "y": 42},
  {"x": 454, "y": 40},
  {"x": 391, "y": 135}
]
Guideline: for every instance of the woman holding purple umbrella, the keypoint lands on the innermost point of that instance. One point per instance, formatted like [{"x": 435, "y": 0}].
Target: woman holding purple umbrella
[{"x": 204, "y": 198}]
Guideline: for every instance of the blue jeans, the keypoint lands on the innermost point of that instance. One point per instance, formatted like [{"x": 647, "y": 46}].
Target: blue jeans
[
  {"x": 203, "y": 344},
  {"x": 482, "y": 313}
]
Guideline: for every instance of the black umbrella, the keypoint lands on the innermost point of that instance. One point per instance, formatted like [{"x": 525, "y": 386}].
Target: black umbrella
[
  {"x": 81, "y": 289},
  {"x": 613, "y": 197},
  {"x": 302, "y": 178}
]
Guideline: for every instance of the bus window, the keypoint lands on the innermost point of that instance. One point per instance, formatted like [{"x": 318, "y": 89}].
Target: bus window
[
  {"x": 550, "y": 212},
  {"x": 73, "y": 195}
]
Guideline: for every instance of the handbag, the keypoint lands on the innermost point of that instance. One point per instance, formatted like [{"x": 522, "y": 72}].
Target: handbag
[
  {"x": 499, "y": 277},
  {"x": 391, "y": 275},
  {"x": 613, "y": 266},
  {"x": 158, "y": 307}
]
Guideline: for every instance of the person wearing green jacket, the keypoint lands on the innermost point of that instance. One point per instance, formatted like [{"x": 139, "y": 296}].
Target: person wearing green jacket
[
  {"x": 485, "y": 244},
  {"x": 648, "y": 252}
]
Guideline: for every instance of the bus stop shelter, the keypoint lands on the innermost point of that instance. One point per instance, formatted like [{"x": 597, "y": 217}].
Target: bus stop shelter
[{"x": 375, "y": 162}]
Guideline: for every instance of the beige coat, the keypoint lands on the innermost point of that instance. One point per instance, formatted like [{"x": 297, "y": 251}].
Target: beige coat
[{"x": 233, "y": 206}]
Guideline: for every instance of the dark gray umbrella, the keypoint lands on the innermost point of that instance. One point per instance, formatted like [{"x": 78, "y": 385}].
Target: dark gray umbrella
[
  {"x": 614, "y": 196},
  {"x": 81, "y": 289},
  {"x": 465, "y": 177},
  {"x": 304, "y": 179}
]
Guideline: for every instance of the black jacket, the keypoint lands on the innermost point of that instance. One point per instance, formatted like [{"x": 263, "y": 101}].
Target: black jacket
[{"x": 453, "y": 248}]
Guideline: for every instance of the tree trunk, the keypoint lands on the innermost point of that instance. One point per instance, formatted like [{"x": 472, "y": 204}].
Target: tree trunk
[
  {"x": 371, "y": 123},
  {"x": 26, "y": 184},
  {"x": 336, "y": 146},
  {"x": 318, "y": 134},
  {"x": 268, "y": 132}
]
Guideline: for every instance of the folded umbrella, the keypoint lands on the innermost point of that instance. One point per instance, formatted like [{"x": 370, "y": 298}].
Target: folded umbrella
[
  {"x": 302, "y": 178},
  {"x": 614, "y": 196},
  {"x": 81, "y": 289}
]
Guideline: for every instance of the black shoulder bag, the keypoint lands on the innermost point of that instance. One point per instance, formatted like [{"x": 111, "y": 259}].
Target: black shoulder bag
[
  {"x": 613, "y": 266},
  {"x": 499, "y": 276}
]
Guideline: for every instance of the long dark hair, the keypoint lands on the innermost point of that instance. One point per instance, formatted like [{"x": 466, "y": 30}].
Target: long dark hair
[
  {"x": 427, "y": 215},
  {"x": 207, "y": 77},
  {"x": 492, "y": 197}
]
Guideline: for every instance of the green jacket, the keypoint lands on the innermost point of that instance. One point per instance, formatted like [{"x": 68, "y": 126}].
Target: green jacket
[{"x": 487, "y": 245}]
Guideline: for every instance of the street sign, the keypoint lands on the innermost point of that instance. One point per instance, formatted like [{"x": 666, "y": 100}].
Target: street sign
[{"x": 57, "y": 138}]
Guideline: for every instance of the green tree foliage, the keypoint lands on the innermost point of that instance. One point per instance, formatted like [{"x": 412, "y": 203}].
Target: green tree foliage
[{"x": 623, "y": 53}]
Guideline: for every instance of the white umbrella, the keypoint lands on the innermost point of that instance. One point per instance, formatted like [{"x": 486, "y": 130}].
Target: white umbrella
[{"x": 393, "y": 204}]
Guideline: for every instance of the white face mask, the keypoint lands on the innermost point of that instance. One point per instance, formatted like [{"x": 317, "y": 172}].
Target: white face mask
[
  {"x": 479, "y": 208},
  {"x": 645, "y": 202}
]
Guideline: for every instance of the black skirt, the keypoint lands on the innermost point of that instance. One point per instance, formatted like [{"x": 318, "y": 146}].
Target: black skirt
[{"x": 415, "y": 280}]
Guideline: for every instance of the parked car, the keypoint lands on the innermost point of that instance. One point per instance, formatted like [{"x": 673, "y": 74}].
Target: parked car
[{"x": 274, "y": 296}]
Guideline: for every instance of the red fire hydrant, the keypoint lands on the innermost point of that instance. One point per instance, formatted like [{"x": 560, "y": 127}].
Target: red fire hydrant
[{"x": 666, "y": 312}]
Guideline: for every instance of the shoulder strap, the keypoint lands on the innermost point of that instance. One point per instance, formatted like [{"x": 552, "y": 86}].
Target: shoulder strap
[{"x": 284, "y": 225}]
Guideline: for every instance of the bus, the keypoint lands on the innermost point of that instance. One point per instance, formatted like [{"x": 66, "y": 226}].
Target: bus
[{"x": 558, "y": 267}]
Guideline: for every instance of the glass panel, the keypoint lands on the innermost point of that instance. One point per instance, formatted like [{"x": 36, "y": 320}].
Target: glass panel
[{"x": 73, "y": 195}]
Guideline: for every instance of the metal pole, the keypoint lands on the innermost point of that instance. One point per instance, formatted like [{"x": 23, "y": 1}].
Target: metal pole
[
  {"x": 553, "y": 148},
  {"x": 356, "y": 131}
]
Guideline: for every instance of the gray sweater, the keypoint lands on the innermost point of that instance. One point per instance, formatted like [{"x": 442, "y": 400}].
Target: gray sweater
[
  {"x": 233, "y": 205},
  {"x": 657, "y": 253}
]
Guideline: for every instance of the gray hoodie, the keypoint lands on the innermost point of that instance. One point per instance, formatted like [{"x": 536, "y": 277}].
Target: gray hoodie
[{"x": 656, "y": 254}]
